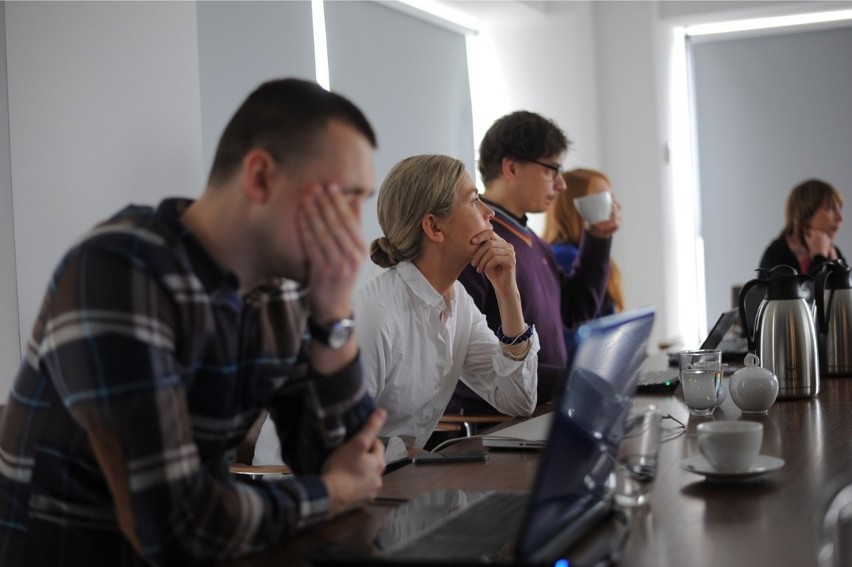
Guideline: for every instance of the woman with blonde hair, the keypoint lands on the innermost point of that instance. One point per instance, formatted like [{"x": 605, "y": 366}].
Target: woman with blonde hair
[
  {"x": 563, "y": 227},
  {"x": 419, "y": 331}
]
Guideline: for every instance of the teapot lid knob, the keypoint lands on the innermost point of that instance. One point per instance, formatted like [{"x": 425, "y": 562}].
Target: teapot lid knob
[{"x": 751, "y": 359}]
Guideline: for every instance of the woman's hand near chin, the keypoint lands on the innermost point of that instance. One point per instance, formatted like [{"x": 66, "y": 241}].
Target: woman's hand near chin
[
  {"x": 495, "y": 258},
  {"x": 819, "y": 243}
]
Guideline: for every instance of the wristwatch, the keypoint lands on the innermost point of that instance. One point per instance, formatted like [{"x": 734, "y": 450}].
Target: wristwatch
[{"x": 334, "y": 335}]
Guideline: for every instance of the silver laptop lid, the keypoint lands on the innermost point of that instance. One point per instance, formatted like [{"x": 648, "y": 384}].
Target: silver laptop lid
[{"x": 587, "y": 425}]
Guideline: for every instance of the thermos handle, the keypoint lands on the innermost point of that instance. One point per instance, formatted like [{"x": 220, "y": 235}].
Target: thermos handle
[
  {"x": 819, "y": 291},
  {"x": 823, "y": 310},
  {"x": 749, "y": 331}
]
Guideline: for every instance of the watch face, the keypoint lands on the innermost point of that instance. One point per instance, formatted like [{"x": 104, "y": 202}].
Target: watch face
[{"x": 339, "y": 333}]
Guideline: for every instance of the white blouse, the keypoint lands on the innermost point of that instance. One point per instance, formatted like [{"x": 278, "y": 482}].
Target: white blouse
[{"x": 415, "y": 346}]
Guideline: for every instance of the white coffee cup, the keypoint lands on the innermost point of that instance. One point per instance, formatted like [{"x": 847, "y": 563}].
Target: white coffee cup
[
  {"x": 730, "y": 446},
  {"x": 595, "y": 208}
]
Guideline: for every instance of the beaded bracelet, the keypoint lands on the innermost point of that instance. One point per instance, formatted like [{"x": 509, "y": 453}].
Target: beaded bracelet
[{"x": 525, "y": 336}]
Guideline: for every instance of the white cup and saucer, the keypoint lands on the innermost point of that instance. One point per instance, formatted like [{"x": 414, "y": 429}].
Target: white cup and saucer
[{"x": 730, "y": 450}]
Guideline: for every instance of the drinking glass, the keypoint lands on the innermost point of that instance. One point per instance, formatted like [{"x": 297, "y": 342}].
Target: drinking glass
[
  {"x": 636, "y": 460},
  {"x": 701, "y": 379}
]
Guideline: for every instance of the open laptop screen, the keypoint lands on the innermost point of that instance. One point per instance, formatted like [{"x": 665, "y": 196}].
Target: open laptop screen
[{"x": 587, "y": 425}]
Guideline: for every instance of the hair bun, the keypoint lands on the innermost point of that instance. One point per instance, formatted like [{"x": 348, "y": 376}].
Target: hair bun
[{"x": 383, "y": 253}]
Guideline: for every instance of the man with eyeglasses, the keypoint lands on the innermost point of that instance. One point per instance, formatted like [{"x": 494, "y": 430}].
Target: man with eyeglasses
[{"x": 520, "y": 160}]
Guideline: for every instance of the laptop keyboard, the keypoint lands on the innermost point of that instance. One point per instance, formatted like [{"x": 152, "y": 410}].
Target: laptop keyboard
[
  {"x": 483, "y": 529},
  {"x": 656, "y": 377}
]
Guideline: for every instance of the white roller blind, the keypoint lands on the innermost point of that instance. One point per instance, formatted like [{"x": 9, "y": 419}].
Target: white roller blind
[
  {"x": 241, "y": 45},
  {"x": 409, "y": 76}
]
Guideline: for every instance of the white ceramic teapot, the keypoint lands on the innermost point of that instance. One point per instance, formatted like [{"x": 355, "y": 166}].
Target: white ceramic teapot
[{"x": 753, "y": 388}]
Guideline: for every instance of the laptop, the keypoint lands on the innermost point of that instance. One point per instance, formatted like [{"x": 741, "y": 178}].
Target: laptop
[
  {"x": 533, "y": 433},
  {"x": 733, "y": 345},
  {"x": 660, "y": 372},
  {"x": 570, "y": 494}
]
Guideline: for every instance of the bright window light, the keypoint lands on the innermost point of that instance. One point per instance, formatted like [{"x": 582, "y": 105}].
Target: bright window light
[
  {"x": 488, "y": 86},
  {"x": 443, "y": 12},
  {"x": 768, "y": 22},
  {"x": 320, "y": 44},
  {"x": 686, "y": 246}
]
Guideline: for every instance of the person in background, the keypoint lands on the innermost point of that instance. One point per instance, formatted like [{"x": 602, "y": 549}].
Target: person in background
[
  {"x": 563, "y": 229},
  {"x": 165, "y": 331},
  {"x": 520, "y": 161},
  {"x": 813, "y": 215},
  {"x": 418, "y": 330}
]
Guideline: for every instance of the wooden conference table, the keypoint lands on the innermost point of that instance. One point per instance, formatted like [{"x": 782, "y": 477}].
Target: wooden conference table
[{"x": 767, "y": 520}]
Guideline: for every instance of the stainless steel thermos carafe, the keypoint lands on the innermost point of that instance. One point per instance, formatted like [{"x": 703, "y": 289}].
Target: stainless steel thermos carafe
[
  {"x": 833, "y": 293},
  {"x": 784, "y": 335}
]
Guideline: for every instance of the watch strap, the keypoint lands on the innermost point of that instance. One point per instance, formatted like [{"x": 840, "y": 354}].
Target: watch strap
[{"x": 324, "y": 333}]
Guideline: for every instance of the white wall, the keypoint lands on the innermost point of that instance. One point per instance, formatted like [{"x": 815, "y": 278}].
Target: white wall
[
  {"x": 416, "y": 94},
  {"x": 235, "y": 55},
  {"x": 591, "y": 67},
  {"x": 543, "y": 62},
  {"x": 633, "y": 157},
  {"x": 103, "y": 111}
]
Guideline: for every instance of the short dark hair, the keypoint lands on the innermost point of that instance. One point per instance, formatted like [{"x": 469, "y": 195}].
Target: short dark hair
[
  {"x": 283, "y": 117},
  {"x": 522, "y": 135}
]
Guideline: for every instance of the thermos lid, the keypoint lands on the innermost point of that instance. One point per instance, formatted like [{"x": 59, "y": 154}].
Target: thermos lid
[
  {"x": 785, "y": 283},
  {"x": 836, "y": 275}
]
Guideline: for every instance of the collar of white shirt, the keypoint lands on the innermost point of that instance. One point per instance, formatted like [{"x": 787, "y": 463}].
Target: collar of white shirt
[{"x": 421, "y": 288}]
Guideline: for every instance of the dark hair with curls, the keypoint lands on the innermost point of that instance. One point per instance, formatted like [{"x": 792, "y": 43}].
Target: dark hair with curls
[
  {"x": 283, "y": 117},
  {"x": 522, "y": 135}
]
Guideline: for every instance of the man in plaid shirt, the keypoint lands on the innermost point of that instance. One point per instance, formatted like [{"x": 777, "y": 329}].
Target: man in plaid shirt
[{"x": 166, "y": 331}]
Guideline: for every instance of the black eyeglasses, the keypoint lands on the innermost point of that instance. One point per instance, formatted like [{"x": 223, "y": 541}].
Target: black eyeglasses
[{"x": 555, "y": 169}]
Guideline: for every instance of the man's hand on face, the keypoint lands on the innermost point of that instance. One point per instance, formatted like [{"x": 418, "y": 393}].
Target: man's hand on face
[
  {"x": 353, "y": 472},
  {"x": 335, "y": 250}
]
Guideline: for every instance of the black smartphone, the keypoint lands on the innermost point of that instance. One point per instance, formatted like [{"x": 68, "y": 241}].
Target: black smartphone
[{"x": 456, "y": 457}]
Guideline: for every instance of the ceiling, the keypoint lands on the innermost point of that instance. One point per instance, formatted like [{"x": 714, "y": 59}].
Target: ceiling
[{"x": 498, "y": 10}]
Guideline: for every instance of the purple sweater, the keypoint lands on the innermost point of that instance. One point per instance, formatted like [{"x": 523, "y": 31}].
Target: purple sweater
[{"x": 551, "y": 299}]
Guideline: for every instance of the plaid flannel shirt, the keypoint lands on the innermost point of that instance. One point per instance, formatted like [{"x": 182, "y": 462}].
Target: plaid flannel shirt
[{"x": 145, "y": 366}]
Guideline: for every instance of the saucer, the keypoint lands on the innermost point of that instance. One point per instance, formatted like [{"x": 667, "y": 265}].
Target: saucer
[{"x": 762, "y": 464}]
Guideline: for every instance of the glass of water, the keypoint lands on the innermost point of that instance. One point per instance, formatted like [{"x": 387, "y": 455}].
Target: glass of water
[
  {"x": 636, "y": 460},
  {"x": 700, "y": 379}
]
